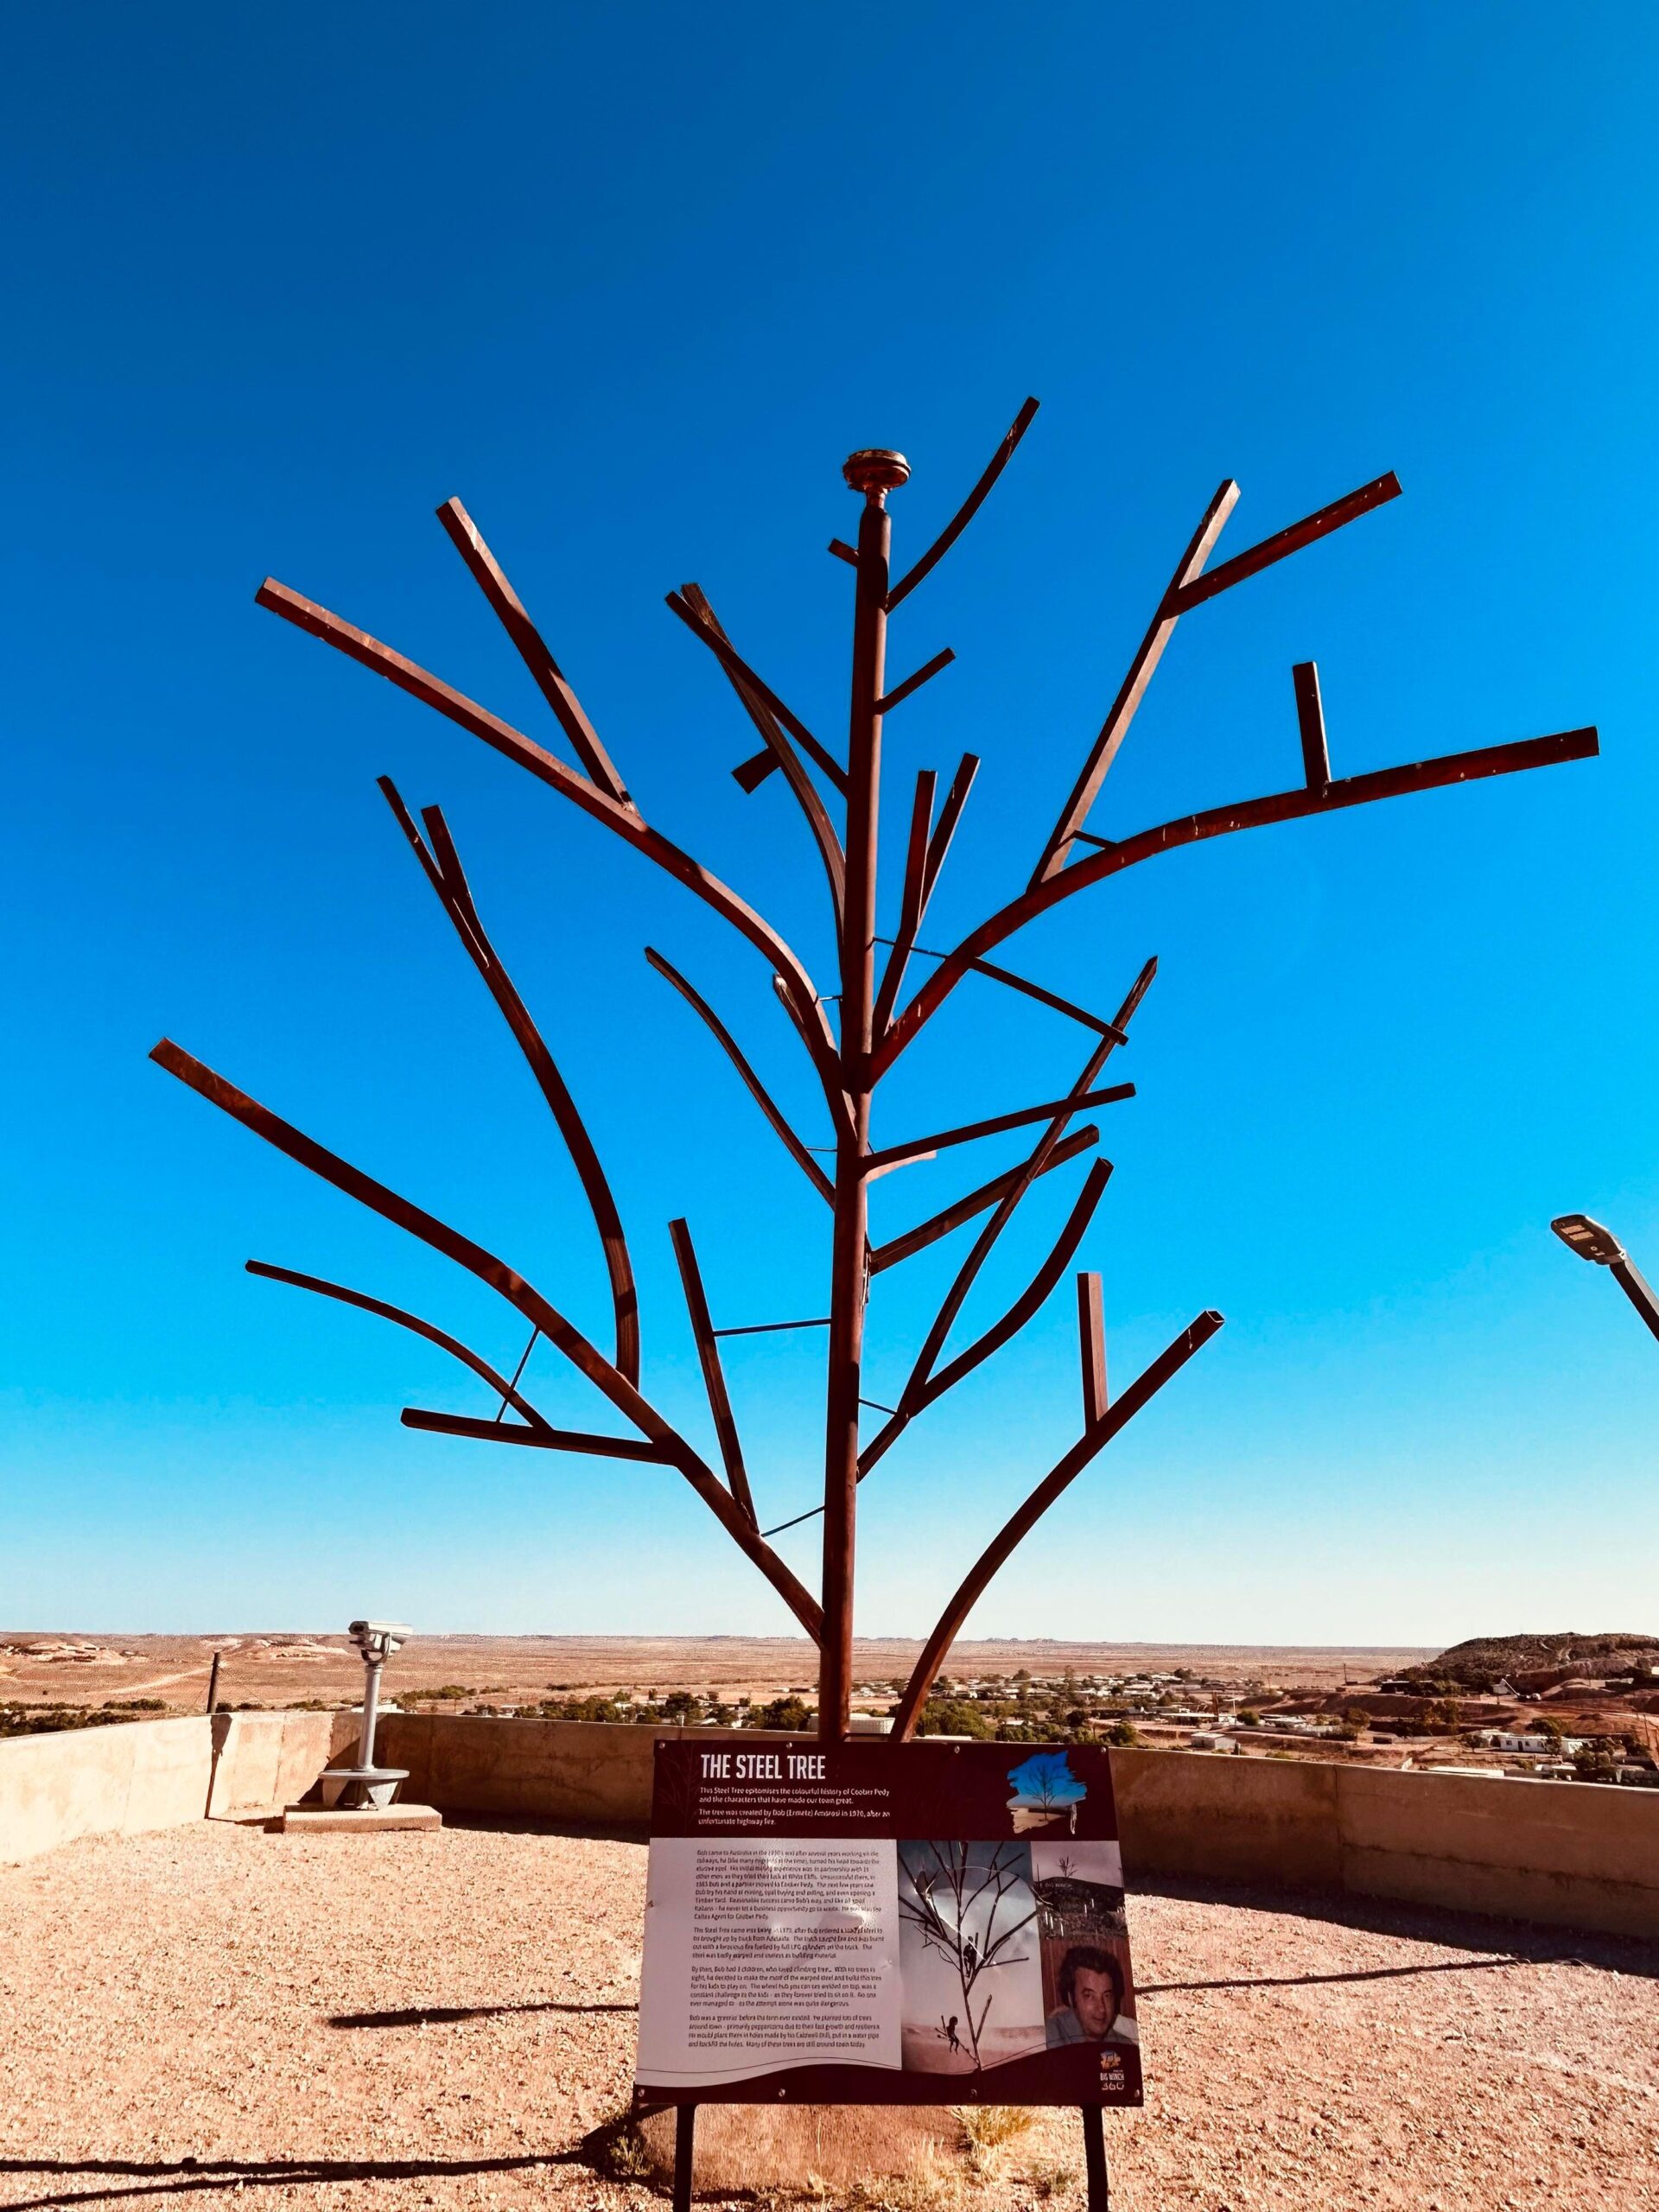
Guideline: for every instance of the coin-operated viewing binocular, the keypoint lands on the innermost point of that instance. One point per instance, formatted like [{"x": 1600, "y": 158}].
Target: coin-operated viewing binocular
[{"x": 366, "y": 1785}]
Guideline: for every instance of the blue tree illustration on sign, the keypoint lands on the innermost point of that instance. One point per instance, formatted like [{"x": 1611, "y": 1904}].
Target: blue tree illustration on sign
[{"x": 1044, "y": 1788}]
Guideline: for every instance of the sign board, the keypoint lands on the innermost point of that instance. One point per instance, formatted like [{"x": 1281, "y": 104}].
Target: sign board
[{"x": 885, "y": 1923}]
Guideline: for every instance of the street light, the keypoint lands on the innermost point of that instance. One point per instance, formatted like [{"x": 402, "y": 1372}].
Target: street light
[{"x": 1591, "y": 1242}]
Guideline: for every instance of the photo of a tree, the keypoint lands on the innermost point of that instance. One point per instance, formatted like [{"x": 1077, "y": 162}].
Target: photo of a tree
[{"x": 972, "y": 1905}]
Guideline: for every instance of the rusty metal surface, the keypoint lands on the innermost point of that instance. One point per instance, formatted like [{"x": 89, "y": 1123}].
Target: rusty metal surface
[
  {"x": 714, "y": 1375},
  {"x": 1091, "y": 1348},
  {"x": 584, "y": 741},
  {"x": 849, "y": 1055},
  {"x": 1021, "y": 1524},
  {"x": 796, "y": 1150},
  {"x": 440, "y": 864}
]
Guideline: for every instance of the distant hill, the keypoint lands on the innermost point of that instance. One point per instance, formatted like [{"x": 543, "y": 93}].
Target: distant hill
[{"x": 1484, "y": 1660}]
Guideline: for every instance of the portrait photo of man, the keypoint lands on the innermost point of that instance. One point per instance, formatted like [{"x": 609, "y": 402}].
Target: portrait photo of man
[{"x": 1089, "y": 1984}]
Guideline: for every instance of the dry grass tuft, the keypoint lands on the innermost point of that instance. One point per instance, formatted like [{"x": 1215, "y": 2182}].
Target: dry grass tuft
[
  {"x": 986, "y": 2130},
  {"x": 1047, "y": 2182}
]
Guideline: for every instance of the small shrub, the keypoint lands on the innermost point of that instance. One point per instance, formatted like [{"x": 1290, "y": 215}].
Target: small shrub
[{"x": 1044, "y": 2182}]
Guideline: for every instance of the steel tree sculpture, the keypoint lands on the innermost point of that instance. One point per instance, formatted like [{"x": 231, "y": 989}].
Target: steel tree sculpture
[{"x": 849, "y": 1057}]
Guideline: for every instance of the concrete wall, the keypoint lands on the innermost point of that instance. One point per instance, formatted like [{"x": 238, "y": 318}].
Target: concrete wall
[
  {"x": 129, "y": 1779},
  {"x": 1564, "y": 1852},
  {"x": 593, "y": 1771},
  {"x": 1559, "y": 1851}
]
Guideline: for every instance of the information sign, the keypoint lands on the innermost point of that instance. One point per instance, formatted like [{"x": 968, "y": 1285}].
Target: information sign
[{"x": 874, "y": 1924}]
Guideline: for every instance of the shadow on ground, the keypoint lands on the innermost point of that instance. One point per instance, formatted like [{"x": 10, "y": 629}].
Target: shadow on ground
[{"x": 598, "y": 2150}]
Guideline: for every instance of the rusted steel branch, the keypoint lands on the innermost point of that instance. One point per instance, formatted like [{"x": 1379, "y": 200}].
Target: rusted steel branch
[
  {"x": 1091, "y": 1347},
  {"x": 714, "y": 1375},
  {"x": 745, "y": 681},
  {"x": 923, "y": 1388},
  {"x": 914, "y": 683},
  {"x": 546, "y": 1439},
  {"x": 443, "y": 872},
  {"x": 1032, "y": 1298},
  {"x": 757, "y": 1091},
  {"x": 1013, "y": 1532},
  {"x": 549, "y": 679},
  {"x": 1190, "y": 587},
  {"x": 1310, "y": 720},
  {"x": 519, "y": 1294},
  {"x": 506, "y": 1391},
  {"x": 952, "y": 1217},
  {"x": 910, "y": 897},
  {"x": 1349, "y": 508},
  {"x": 950, "y": 814},
  {"x": 693, "y": 607},
  {"x": 1046, "y": 1153},
  {"x": 970, "y": 507},
  {"x": 823, "y": 1053},
  {"x": 317, "y": 622},
  {"x": 1220, "y": 822},
  {"x": 1133, "y": 690},
  {"x": 897, "y": 1155}
]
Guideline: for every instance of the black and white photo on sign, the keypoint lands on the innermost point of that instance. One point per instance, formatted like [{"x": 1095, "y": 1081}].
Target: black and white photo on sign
[
  {"x": 1083, "y": 1935},
  {"x": 969, "y": 1976}
]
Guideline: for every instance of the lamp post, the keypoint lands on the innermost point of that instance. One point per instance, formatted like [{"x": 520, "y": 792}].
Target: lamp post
[{"x": 1593, "y": 1242}]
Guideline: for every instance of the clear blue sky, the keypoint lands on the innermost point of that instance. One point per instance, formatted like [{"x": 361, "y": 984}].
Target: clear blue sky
[{"x": 631, "y": 281}]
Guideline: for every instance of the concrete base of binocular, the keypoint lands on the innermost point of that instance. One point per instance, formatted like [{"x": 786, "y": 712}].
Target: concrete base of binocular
[{"x": 366, "y": 1786}]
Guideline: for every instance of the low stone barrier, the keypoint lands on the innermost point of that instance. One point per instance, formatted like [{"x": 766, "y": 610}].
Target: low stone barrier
[
  {"x": 1571, "y": 1853},
  {"x": 141, "y": 1775}
]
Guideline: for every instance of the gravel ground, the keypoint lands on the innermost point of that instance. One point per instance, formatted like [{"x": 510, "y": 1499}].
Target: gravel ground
[{"x": 445, "y": 2020}]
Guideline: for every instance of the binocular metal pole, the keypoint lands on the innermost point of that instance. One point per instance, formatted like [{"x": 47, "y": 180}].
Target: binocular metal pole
[{"x": 372, "y": 1663}]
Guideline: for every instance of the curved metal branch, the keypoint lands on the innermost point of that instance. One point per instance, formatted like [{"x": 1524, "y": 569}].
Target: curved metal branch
[
  {"x": 1190, "y": 587},
  {"x": 691, "y": 604},
  {"x": 699, "y": 617},
  {"x": 491, "y": 579},
  {"x": 950, "y": 814},
  {"x": 895, "y": 1155},
  {"x": 910, "y": 901},
  {"x": 1015, "y": 1530},
  {"x": 822, "y": 1050},
  {"x": 1133, "y": 690},
  {"x": 547, "y": 1440},
  {"x": 1031, "y": 1299},
  {"x": 444, "y": 871},
  {"x": 624, "y": 821},
  {"x": 519, "y": 1294},
  {"x": 412, "y": 1322},
  {"x": 914, "y": 683},
  {"x": 757, "y": 1091},
  {"x": 1220, "y": 822},
  {"x": 923, "y": 1387},
  {"x": 905, "y": 1247},
  {"x": 970, "y": 507},
  {"x": 714, "y": 1374}
]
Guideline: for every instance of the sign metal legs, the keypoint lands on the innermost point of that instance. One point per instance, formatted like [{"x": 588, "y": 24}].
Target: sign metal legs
[
  {"x": 1094, "y": 2159},
  {"x": 685, "y": 2133}
]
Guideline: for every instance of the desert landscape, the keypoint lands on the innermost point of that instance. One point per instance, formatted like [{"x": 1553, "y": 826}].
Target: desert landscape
[{"x": 289, "y": 1667}]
